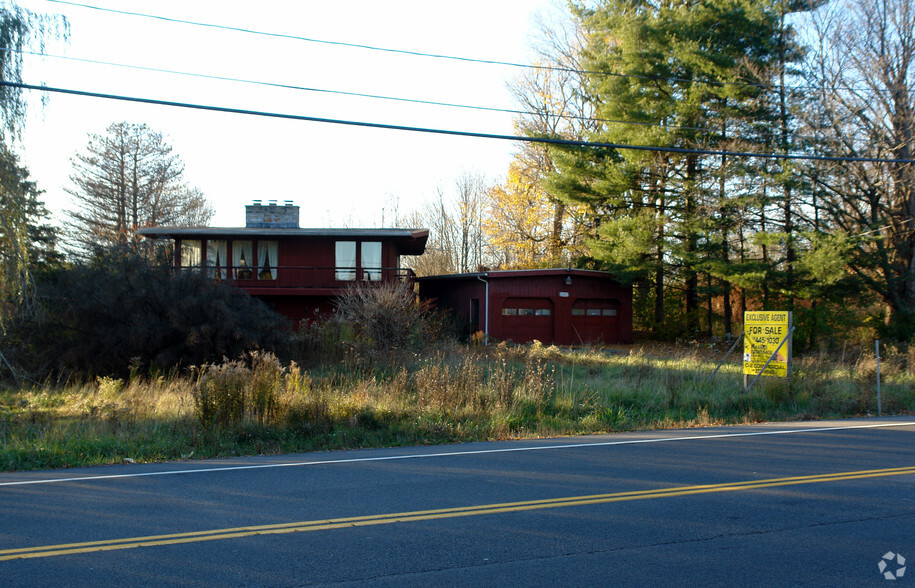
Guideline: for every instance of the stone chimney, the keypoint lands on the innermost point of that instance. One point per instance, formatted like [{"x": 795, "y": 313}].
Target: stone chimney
[{"x": 272, "y": 215}]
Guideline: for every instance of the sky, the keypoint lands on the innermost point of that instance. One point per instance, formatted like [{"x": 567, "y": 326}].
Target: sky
[{"x": 338, "y": 175}]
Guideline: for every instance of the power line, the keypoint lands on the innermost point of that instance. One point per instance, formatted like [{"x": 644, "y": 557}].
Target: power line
[
  {"x": 405, "y": 51},
  {"x": 297, "y": 37},
  {"x": 369, "y": 96},
  {"x": 564, "y": 69},
  {"x": 448, "y": 132},
  {"x": 269, "y": 84}
]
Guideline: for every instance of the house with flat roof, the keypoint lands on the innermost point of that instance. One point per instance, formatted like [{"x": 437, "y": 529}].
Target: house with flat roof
[{"x": 297, "y": 271}]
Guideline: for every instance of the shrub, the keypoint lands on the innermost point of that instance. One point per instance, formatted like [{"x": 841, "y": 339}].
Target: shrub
[
  {"x": 387, "y": 317},
  {"x": 119, "y": 312}
]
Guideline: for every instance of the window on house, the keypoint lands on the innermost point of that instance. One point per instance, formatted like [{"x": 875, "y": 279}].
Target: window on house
[
  {"x": 216, "y": 259},
  {"x": 266, "y": 260},
  {"x": 242, "y": 259},
  {"x": 509, "y": 312},
  {"x": 543, "y": 312},
  {"x": 371, "y": 261},
  {"x": 190, "y": 253},
  {"x": 345, "y": 262},
  {"x": 609, "y": 312}
]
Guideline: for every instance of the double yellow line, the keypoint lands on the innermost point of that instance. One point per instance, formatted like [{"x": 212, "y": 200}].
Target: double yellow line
[{"x": 426, "y": 515}]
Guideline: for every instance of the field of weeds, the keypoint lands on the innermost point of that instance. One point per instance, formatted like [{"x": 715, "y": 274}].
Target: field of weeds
[{"x": 256, "y": 405}]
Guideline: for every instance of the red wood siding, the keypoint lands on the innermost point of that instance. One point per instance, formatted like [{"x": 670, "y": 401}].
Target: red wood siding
[
  {"x": 305, "y": 263},
  {"x": 544, "y": 290},
  {"x": 306, "y": 280}
]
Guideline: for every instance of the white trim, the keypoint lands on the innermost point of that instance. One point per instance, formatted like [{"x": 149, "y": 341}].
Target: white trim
[{"x": 458, "y": 453}]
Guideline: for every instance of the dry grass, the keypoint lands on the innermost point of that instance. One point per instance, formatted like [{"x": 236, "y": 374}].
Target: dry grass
[{"x": 257, "y": 405}]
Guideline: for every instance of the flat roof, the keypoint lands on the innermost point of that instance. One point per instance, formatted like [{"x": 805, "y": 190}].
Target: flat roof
[
  {"x": 557, "y": 271},
  {"x": 418, "y": 237}
]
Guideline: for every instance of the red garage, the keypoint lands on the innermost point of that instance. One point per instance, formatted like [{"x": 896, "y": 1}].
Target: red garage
[{"x": 561, "y": 306}]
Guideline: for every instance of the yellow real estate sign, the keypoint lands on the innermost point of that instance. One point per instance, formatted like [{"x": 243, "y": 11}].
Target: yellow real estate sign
[{"x": 762, "y": 333}]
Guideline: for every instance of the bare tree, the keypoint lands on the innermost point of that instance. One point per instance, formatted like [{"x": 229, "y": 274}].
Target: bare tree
[
  {"x": 554, "y": 98},
  {"x": 127, "y": 179},
  {"x": 862, "y": 60},
  {"x": 455, "y": 222}
]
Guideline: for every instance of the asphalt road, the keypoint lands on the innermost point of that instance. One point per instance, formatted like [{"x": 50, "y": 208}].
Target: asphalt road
[{"x": 816, "y": 503}]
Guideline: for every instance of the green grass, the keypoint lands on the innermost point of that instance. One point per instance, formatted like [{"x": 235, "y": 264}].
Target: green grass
[{"x": 257, "y": 406}]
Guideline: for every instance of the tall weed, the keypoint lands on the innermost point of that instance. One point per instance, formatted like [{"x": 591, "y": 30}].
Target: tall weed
[{"x": 244, "y": 389}]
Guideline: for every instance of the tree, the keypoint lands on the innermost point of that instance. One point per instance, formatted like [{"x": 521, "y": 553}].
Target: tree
[
  {"x": 20, "y": 30},
  {"x": 522, "y": 226},
  {"x": 680, "y": 75},
  {"x": 555, "y": 106},
  {"x": 127, "y": 179},
  {"x": 455, "y": 225},
  {"x": 862, "y": 61},
  {"x": 25, "y": 242}
]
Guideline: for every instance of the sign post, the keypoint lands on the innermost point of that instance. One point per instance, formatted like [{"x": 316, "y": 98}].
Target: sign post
[{"x": 766, "y": 345}]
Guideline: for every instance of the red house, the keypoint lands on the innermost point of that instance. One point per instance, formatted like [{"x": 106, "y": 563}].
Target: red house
[
  {"x": 561, "y": 306},
  {"x": 296, "y": 271}
]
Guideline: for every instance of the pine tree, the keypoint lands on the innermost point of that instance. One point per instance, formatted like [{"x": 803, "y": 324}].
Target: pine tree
[
  {"x": 127, "y": 179},
  {"x": 678, "y": 76}
]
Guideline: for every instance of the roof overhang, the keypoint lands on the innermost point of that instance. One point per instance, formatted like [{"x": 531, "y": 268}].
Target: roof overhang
[
  {"x": 499, "y": 274},
  {"x": 411, "y": 241}
]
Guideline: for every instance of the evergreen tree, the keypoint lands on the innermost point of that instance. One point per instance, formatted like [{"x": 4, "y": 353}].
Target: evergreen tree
[
  {"x": 27, "y": 240},
  {"x": 684, "y": 77}
]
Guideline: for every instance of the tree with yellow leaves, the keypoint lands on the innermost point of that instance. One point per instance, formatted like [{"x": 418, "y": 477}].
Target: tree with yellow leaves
[{"x": 524, "y": 227}]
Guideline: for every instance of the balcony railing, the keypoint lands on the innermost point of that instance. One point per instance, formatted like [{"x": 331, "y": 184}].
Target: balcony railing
[{"x": 303, "y": 276}]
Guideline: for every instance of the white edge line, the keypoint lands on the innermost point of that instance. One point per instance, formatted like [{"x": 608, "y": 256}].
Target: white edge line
[{"x": 453, "y": 454}]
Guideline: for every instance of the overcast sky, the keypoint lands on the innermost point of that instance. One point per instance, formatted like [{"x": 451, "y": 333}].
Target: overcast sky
[{"x": 339, "y": 175}]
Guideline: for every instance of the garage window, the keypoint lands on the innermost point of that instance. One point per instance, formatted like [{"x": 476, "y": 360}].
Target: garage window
[{"x": 595, "y": 307}]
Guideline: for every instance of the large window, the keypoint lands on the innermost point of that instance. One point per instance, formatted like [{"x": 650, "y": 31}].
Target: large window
[
  {"x": 371, "y": 261},
  {"x": 216, "y": 259},
  {"x": 266, "y": 260},
  {"x": 190, "y": 253},
  {"x": 345, "y": 261},
  {"x": 242, "y": 259}
]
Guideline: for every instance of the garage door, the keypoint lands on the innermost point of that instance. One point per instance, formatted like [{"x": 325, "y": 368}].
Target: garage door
[
  {"x": 596, "y": 320},
  {"x": 526, "y": 319}
]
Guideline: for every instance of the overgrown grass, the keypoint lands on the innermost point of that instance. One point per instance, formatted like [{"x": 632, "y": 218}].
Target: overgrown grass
[{"x": 256, "y": 405}]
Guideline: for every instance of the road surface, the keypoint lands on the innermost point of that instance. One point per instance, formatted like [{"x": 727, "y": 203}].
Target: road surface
[{"x": 814, "y": 503}]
